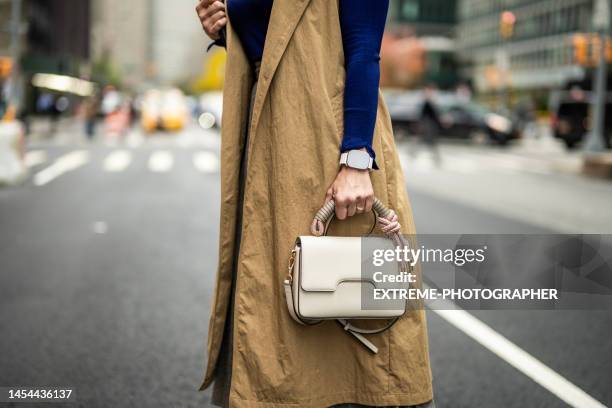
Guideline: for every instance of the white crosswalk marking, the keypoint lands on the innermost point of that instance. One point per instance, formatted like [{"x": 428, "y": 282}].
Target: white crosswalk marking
[
  {"x": 161, "y": 161},
  {"x": 117, "y": 161},
  {"x": 64, "y": 164},
  {"x": 35, "y": 157},
  {"x": 134, "y": 139},
  {"x": 206, "y": 162}
]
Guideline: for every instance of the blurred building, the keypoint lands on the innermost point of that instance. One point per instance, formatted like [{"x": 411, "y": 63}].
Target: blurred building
[
  {"x": 57, "y": 36},
  {"x": 5, "y": 27},
  {"x": 419, "y": 43},
  {"x": 6, "y": 51},
  {"x": 525, "y": 44},
  {"x": 53, "y": 39},
  {"x": 121, "y": 40},
  {"x": 53, "y": 34},
  {"x": 179, "y": 44},
  {"x": 146, "y": 42},
  {"x": 424, "y": 17}
]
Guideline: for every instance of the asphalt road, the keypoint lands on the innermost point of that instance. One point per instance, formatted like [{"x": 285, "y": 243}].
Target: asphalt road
[{"x": 107, "y": 270}]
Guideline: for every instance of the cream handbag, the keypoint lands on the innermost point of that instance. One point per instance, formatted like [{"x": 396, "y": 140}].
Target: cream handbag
[{"x": 325, "y": 280}]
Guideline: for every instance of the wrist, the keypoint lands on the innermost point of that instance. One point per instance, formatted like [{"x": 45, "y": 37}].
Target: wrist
[
  {"x": 345, "y": 169},
  {"x": 359, "y": 159}
]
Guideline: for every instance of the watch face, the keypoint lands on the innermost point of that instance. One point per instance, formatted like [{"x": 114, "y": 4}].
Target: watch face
[{"x": 358, "y": 159}]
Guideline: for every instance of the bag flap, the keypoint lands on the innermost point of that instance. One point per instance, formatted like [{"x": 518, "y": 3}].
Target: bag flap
[{"x": 326, "y": 262}]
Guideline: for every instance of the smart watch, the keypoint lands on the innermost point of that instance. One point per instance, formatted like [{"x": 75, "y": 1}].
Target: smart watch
[{"x": 357, "y": 159}]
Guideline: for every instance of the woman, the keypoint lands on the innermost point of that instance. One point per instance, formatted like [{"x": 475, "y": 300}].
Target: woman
[{"x": 301, "y": 88}]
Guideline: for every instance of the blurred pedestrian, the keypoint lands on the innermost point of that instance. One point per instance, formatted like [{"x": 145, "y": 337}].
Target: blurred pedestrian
[
  {"x": 525, "y": 118},
  {"x": 288, "y": 119},
  {"x": 430, "y": 123},
  {"x": 91, "y": 106}
]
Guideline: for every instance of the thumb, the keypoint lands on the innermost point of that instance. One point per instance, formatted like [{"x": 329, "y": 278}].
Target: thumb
[{"x": 330, "y": 194}]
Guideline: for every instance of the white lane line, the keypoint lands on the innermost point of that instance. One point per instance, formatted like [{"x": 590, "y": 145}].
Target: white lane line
[
  {"x": 117, "y": 161},
  {"x": 64, "y": 164},
  {"x": 517, "y": 357},
  {"x": 161, "y": 161},
  {"x": 206, "y": 162},
  {"x": 35, "y": 157}
]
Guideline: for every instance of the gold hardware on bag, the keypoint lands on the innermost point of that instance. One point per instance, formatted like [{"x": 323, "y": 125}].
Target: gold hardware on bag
[{"x": 290, "y": 268}]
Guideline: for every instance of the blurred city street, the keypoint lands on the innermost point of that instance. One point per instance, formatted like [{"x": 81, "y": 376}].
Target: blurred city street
[
  {"x": 110, "y": 118},
  {"x": 109, "y": 254}
]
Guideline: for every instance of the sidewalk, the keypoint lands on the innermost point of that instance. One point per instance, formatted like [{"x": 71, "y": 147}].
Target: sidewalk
[
  {"x": 535, "y": 154},
  {"x": 542, "y": 186}
]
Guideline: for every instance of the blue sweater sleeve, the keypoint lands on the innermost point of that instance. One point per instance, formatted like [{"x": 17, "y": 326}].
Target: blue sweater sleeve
[{"x": 362, "y": 23}]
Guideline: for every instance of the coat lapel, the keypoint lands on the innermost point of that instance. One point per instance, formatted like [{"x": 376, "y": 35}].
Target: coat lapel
[{"x": 284, "y": 18}]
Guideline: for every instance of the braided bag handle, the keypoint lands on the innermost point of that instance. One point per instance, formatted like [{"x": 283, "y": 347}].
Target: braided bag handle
[{"x": 325, "y": 215}]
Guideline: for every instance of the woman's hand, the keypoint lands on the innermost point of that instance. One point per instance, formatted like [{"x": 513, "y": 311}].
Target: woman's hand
[
  {"x": 352, "y": 192},
  {"x": 212, "y": 16}
]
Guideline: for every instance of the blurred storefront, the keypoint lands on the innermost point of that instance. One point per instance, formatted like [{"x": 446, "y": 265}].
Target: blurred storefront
[
  {"x": 54, "y": 40},
  {"x": 419, "y": 45}
]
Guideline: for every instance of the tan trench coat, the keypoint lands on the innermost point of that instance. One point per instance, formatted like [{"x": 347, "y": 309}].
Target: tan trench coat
[{"x": 295, "y": 134}]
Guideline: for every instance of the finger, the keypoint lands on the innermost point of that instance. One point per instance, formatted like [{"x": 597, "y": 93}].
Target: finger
[
  {"x": 397, "y": 228},
  {"x": 384, "y": 224},
  {"x": 217, "y": 26},
  {"x": 388, "y": 228},
  {"x": 393, "y": 225},
  {"x": 329, "y": 195},
  {"x": 368, "y": 204},
  {"x": 392, "y": 228},
  {"x": 383, "y": 221},
  {"x": 212, "y": 21},
  {"x": 203, "y": 4},
  {"x": 341, "y": 211},
  {"x": 207, "y": 12},
  {"x": 352, "y": 208},
  {"x": 217, "y": 15},
  {"x": 360, "y": 205}
]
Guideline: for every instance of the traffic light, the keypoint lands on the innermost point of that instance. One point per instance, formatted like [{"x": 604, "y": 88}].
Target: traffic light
[
  {"x": 581, "y": 49},
  {"x": 587, "y": 49},
  {"x": 506, "y": 24},
  {"x": 6, "y": 64}
]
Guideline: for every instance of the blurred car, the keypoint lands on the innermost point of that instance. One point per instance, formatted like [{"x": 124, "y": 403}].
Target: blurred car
[
  {"x": 457, "y": 118},
  {"x": 150, "y": 110},
  {"x": 164, "y": 109},
  {"x": 570, "y": 116}
]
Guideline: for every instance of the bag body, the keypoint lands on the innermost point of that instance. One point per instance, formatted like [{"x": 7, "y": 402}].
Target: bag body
[
  {"x": 327, "y": 282},
  {"x": 326, "y": 279}
]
